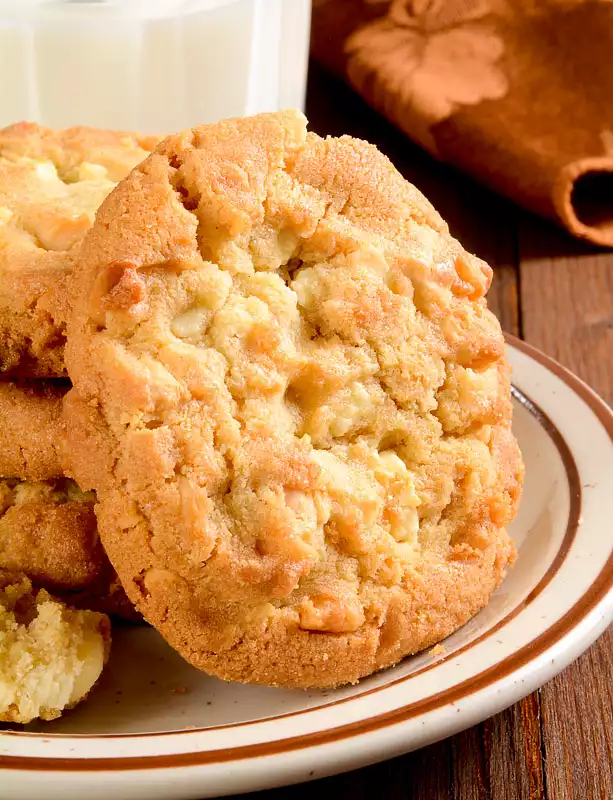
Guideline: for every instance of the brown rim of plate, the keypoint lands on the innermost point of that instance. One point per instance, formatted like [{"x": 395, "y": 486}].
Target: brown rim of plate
[{"x": 596, "y": 592}]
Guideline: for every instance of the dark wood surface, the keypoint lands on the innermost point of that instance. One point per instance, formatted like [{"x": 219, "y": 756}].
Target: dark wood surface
[{"x": 557, "y": 294}]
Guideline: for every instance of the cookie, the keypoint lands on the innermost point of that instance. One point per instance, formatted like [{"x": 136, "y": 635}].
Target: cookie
[
  {"x": 31, "y": 430},
  {"x": 293, "y": 404},
  {"x": 48, "y": 532},
  {"x": 50, "y": 655},
  {"x": 51, "y": 183}
]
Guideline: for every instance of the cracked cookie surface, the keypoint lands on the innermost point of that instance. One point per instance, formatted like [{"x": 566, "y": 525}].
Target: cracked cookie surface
[
  {"x": 51, "y": 184},
  {"x": 293, "y": 404}
]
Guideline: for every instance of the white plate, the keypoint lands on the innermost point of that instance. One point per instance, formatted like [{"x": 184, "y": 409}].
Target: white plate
[{"x": 157, "y": 728}]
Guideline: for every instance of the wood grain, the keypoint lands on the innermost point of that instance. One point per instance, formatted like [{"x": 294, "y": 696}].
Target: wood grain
[
  {"x": 567, "y": 311},
  {"x": 556, "y": 744}
]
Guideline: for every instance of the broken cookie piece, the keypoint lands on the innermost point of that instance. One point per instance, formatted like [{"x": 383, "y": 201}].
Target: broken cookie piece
[{"x": 50, "y": 655}]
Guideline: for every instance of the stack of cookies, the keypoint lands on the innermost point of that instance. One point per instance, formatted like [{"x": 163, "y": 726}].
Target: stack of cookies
[
  {"x": 287, "y": 394},
  {"x": 51, "y": 184}
]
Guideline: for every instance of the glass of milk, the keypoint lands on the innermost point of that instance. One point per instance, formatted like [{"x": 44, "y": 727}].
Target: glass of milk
[{"x": 153, "y": 66}]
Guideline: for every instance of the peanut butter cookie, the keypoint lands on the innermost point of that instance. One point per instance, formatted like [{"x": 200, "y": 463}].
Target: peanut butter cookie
[
  {"x": 293, "y": 404},
  {"x": 51, "y": 183},
  {"x": 48, "y": 533},
  {"x": 31, "y": 430}
]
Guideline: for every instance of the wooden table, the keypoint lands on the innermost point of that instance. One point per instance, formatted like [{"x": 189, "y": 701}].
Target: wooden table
[{"x": 557, "y": 294}]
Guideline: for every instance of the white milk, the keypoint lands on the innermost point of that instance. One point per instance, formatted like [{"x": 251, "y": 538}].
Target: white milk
[{"x": 150, "y": 65}]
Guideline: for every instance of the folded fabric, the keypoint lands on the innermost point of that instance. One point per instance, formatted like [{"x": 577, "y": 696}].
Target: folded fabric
[{"x": 519, "y": 93}]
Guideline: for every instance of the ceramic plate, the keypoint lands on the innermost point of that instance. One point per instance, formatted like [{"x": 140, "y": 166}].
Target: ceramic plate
[{"x": 157, "y": 728}]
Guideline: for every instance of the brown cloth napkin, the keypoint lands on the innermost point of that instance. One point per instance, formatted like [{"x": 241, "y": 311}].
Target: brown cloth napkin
[{"x": 518, "y": 93}]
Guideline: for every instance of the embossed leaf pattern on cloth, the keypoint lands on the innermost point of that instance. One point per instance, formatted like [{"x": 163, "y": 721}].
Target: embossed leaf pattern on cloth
[
  {"x": 517, "y": 92},
  {"x": 429, "y": 57}
]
